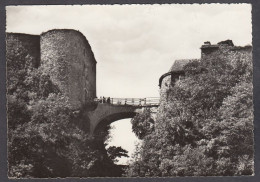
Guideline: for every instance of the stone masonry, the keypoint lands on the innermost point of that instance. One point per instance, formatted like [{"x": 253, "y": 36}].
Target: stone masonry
[
  {"x": 222, "y": 50},
  {"x": 64, "y": 54}
]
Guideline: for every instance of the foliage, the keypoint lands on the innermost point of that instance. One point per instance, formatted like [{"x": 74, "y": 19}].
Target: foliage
[
  {"x": 205, "y": 127},
  {"x": 142, "y": 123},
  {"x": 44, "y": 136},
  {"x": 114, "y": 152}
]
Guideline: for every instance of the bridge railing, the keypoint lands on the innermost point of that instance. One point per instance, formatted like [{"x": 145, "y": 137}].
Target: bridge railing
[{"x": 149, "y": 101}]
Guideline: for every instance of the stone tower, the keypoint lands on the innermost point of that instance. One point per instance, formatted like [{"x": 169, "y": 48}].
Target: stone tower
[
  {"x": 67, "y": 57},
  {"x": 224, "y": 50},
  {"x": 175, "y": 73}
]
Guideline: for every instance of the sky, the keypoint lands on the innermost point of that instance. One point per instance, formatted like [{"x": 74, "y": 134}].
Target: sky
[
  {"x": 135, "y": 44},
  {"x": 122, "y": 135}
]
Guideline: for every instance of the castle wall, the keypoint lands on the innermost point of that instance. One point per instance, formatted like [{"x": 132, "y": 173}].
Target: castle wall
[
  {"x": 67, "y": 57},
  {"x": 169, "y": 79},
  {"x": 22, "y": 50},
  {"x": 165, "y": 86},
  {"x": 243, "y": 54},
  {"x": 226, "y": 52},
  {"x": 22, "y": 53}
]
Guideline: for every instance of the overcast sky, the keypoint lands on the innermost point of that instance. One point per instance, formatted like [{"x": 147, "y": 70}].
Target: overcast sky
[{"x": 135, "y": 44}]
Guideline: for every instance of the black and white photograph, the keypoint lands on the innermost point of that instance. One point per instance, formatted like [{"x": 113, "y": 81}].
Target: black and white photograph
[{"x": 134, "y": 90}]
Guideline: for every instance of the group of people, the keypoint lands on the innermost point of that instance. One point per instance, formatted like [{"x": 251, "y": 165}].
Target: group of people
[{"x": 104, "y": 100}]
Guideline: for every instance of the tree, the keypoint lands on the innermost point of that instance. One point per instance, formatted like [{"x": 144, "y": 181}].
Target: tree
[
  {"x": 44, "y": 136},
  {"x": 143, "y": 123},
  {"x": 205, "y": 126},
  {"x": 114, "y": 152}
]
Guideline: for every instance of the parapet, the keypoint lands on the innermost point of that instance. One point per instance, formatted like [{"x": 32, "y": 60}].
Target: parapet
[
  {"x": 208, "y": 45},
  {"x": 226, "y": 42}
]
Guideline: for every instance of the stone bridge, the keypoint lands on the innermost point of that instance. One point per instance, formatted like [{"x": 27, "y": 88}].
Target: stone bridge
[{"x": 110, "y": 110}]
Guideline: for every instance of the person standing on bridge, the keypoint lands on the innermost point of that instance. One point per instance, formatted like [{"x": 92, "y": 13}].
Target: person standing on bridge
[{"x": 108, "y": 100}]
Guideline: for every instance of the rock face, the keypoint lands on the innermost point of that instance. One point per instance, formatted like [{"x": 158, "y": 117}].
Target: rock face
[
  {"x": 67, "y": 57},
  {"x": 63, "y": 54}
]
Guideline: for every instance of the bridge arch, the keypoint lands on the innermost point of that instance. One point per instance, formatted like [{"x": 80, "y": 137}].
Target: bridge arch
[
  {"x": 112, "y": 118},
  {"x": 116, "y": 109}
]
